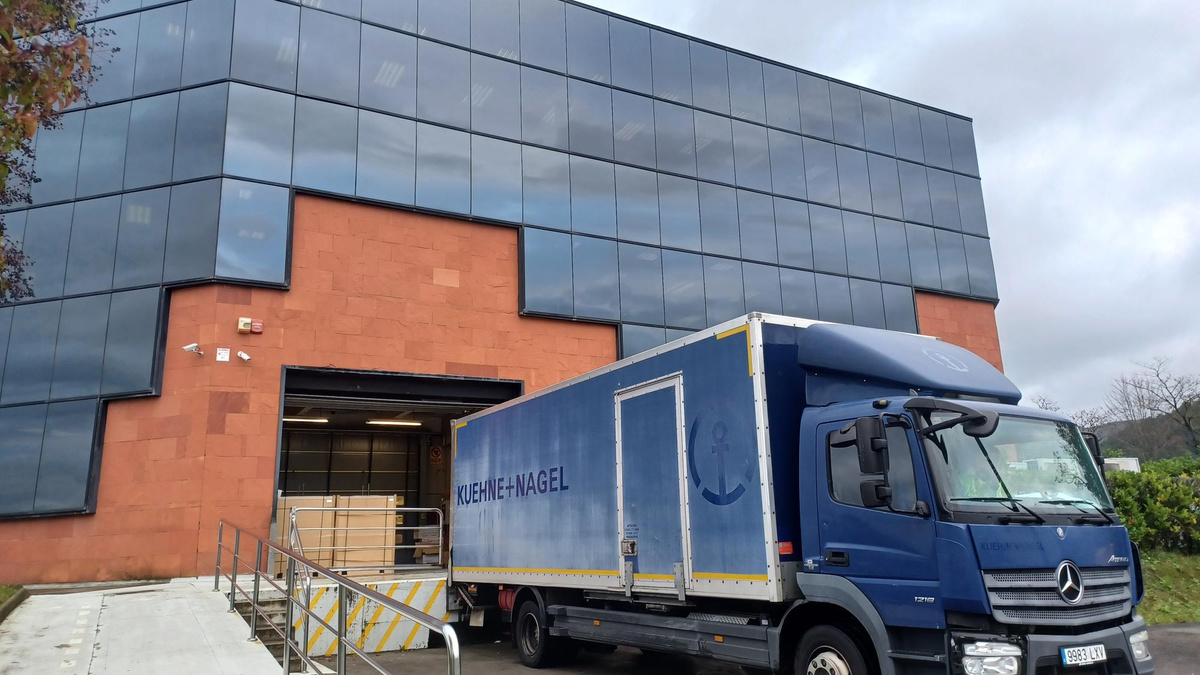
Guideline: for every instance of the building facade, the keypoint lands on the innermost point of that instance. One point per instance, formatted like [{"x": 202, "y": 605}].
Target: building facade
[{"x": 500, "y": 193}]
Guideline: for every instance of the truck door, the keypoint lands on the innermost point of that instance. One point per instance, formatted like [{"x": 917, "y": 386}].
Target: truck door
[
  {"x": 651, "y": 498},
  {"x": 888, "y": 552}
]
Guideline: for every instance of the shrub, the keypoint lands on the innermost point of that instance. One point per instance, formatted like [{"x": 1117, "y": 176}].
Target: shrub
[
  {"x": 1175, "y": 466},
  {"x": 1161, "y": 511}
]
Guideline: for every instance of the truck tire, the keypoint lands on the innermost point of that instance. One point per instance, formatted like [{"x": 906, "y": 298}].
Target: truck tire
[
  {"x": 825, "y": 650},
  {"x": 531, "y": 636}
]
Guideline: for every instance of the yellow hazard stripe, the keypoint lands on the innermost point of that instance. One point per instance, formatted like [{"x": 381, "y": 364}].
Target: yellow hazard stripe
[
  {"x": 321, "y": 629},
  {"x": 655, "y": 577},
  {"x": 349, "y": 622},
  {"x": 749, "y": 354},
  {"x": 362, "y": 639},
  {"x": 428, "y": 606},
  {"x": 537, "y": 570},
  {"x": 730, "y": 577},
  {"x": 313, "y": 606},
  {"x": 396, "y": 621}
]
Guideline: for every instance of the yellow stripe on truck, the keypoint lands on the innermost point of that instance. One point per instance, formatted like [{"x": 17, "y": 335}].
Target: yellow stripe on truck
[{"x": 749, "y": 354}]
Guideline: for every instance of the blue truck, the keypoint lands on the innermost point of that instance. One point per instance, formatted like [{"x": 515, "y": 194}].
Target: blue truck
[{"x": 796, "y": 496}]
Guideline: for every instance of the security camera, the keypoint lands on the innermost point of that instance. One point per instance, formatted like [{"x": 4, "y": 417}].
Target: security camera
[
  {"x": 243, "y": 356},
  {"x": 193, "y": 348}
]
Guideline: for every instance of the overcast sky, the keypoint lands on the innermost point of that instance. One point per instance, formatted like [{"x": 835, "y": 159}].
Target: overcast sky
[{"x": 1087, "y": 120}]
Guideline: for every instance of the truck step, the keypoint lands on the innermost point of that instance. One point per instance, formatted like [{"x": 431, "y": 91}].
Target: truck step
[{"x": 724, "y": 618}]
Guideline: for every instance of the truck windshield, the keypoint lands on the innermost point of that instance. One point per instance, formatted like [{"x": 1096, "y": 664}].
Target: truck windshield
[{"x": 1043, "y": 464}]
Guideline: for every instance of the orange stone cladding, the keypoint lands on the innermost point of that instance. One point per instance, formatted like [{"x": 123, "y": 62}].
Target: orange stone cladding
[
  {"x": 966, "y": 323},
  {"x": 371, "y": 289}
]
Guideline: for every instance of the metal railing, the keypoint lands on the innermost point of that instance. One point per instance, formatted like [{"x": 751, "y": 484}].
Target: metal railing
[
  {"x": 299, "y": 565},
  {"x": 296, "y": 536}
]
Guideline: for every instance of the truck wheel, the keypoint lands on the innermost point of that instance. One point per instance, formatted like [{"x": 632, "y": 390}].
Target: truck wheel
[
  {"x": 825, "y": 650},
  {"x": 531, "y": 636}
]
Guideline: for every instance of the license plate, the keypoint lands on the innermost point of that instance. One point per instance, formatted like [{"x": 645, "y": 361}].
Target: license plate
[{"x": 1082, "y": 656}]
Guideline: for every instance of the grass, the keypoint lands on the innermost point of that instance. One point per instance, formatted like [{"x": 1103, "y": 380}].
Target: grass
[
  {"x": 7, "y": 592},
  {"x": 1172, "y": 587}
]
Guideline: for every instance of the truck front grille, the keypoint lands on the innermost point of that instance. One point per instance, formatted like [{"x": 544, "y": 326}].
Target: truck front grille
[{"x": 1031, "y": 597}]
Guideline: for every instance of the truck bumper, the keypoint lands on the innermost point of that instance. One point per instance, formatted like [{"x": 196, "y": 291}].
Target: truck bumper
[{"x": 1043, "y": 656}]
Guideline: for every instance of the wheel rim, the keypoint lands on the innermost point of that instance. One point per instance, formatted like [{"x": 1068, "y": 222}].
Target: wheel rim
[
  {"x": 828, "y": 661},
  {"x": 531, "y": 634}
]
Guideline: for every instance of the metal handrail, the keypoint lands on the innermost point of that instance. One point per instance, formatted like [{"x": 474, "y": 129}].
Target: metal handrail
[{"x": 345, "y": 587}]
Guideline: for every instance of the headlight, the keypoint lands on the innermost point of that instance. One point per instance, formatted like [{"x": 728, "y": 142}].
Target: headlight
[
  {"x": 1139, "y": 645},
  {"x": 991, "y": 658}
]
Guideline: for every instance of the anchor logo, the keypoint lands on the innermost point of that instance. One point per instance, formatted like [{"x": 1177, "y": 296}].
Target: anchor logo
[{"x": 728, "y": 472}]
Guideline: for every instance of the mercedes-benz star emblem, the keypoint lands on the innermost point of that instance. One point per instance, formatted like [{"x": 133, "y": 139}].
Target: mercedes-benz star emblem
[
  {"x": 1061, "y": 534},
  {"x": 1070, "y": 582}
]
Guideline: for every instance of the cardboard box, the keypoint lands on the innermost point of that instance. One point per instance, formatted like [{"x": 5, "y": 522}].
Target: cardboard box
[
  {"x": 365, "y": 538},
  {"x": 315, "y": 529}
]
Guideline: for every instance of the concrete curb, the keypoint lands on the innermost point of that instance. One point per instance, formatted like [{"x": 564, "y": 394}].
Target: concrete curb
[{"x": 11, "y": 604}]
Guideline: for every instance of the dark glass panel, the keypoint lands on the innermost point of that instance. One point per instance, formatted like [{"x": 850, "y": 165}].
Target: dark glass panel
[
  {"x": 756, "y": 224},
  {"x": 820, "y": 171},
  {"x": 746, "y": 95},
  {"x": 783, "y": 103},
  {"x": 638, "y": 339},
  {"x": 847, "y": 114},
  {"x": 350, "y": 8},
  {"x": 115, "y": 60},
  {"x": 893, "y": 251},
  {"x": 252, "y": 239},
  {"x": 877, "y": 123},
  {"x": 793, "y": 232},
  {"x": 400, "y": 14},
  {"x": 102, "y": 151},
  {"x": 546, "y": 272},
  {"x": 93, "y": 245},
  {"x": 495, "y": 179},
  {"x": 326, "y": 145},
  {"x": 79, "y": 355},
  {"x": 683, "y": 287},
  {"x": 752, "y": 156},
  {"x": 591, "y": 119},
  {"x": 443, "y": 84},
  {"x": 543, "y": 108},
  {"x": 546, "y": 184},
  {"x": 899, "y": 311},
  {"x": 593, "y": 198},
  {"x": 962, "y": 145},
  {"x": 208, "y": 41},
  {"x": 970, "y": 205},
  {"x": 762, "y": 288},
  {"x": 672, "y": 67},
  {"x": 633, "y": 129},
  {"x": 980, "y": 269},
  {"x": 496, "y": 28},
  {"x": 104, "y": 8},
  {"x": 329, "y": 56},
  {"x": 20, "y": 450},
  {"x": 816, "y": 113},
  {"x": 14, "y": 228},
  {"x": 862, "y": 259},
  {"x": 710, "y": 78},
  {"x": 142, "y": 236},
  {"x": 952, "y": 260},
  {"x": 543, "y": 34},
  {"x": 443, "y": 169},
  {"x": 150, "y": 152},
  {"x": 597, "y": 293},
  {"x": 944, "y": 198},
  {"x": 637, "y": 206},
  {"x": 132, "y": 339},
  {"x": 885, "y": 186},
  {"x": 160, "y": 50},
  {"x": 265, "y": 37},
  {"x": 724, "y": 298},
  {"x": 66, "y": 460},
  {"x": 5, "y": 329},
  {"x": 922, "y": 257},
  {"x": 258, "y": 136},
  {"x": 799, "y": 293},
  {"x": 866, "y": 299},
  {"x": 445, "y": 20},
  {"x": 191, "y": 249},
  {"x": 30, "y": 363},
  {"x": 719, "y": 220},
  {"x": 833, "y": 299},
  {"x": 630, "y": 50},
  {"x": 714, "y": 148},
  {"x": 200, "y": 132},
  {"x": 935, "y": 140},
  {"x": 787, "y": 164},
  {"x": 495, "y": 97},
  {"x": 587, "y": 44},
  {"x": 679, "y": 212},
  {"x": 906, "y": 127},
  {"x": 387, "y": 158},
  {"x": 56, "y": 160},
  {"x": 829, "y": 239},
  {"x": 641, "y": 284},
  {"x": 853, "y": 179},
  {"x": 388, "y": 71},
  {"x": 675, "y": 138},
  {"x": 914, "y": 189},
  {"x": 47, "y": 236}
]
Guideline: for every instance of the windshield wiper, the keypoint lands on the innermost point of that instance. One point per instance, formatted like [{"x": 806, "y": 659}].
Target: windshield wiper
[
  {"x": 1015, "y": 503},
  {"x": 1076, "y": 503}
]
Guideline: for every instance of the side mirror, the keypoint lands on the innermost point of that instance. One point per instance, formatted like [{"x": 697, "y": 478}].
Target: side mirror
[
  {"x": 983, "y": 426},
  {"x": 871, "y": 444},
  {"x": 1093, "y": 445},
  {"x": 874, "y": 492}
]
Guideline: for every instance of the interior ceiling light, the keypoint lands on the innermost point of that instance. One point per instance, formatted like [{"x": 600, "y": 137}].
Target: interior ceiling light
[
  {"x": 307, "y": 420},
  {"x": 395, "y": 423}
]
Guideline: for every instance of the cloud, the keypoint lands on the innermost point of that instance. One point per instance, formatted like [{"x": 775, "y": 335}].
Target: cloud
[{"x": 1089, "y": 142}]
